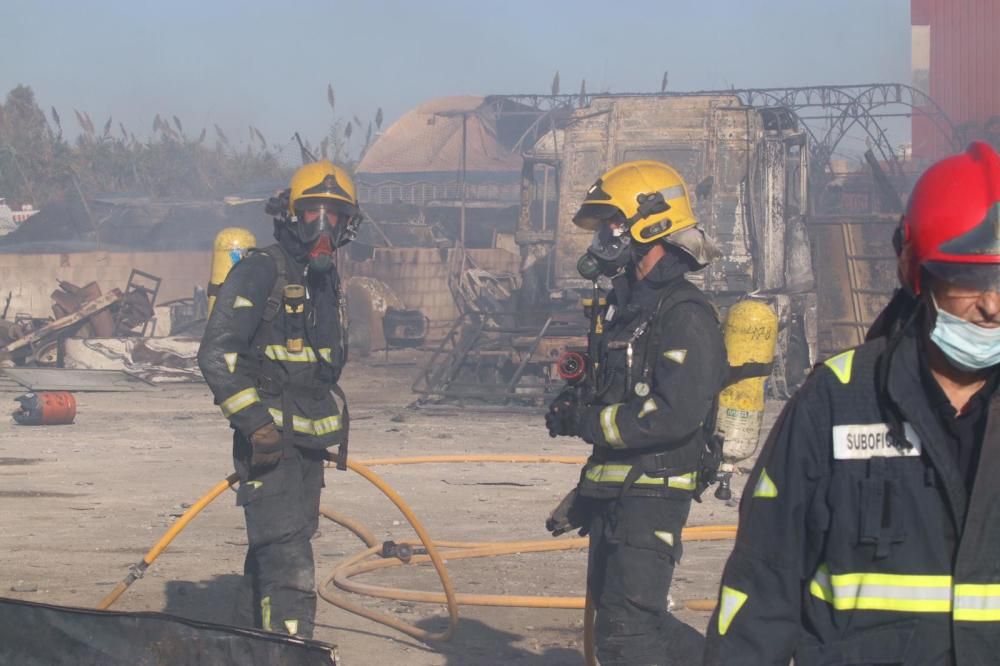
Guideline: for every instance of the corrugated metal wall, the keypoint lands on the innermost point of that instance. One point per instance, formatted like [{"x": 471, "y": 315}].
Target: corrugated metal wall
[{"x": 964, "y": 62}]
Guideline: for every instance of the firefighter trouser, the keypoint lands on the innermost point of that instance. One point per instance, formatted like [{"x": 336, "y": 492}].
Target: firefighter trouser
[
  {"x": 634, "y": 543},
  {"x": 281, "y": 506}
]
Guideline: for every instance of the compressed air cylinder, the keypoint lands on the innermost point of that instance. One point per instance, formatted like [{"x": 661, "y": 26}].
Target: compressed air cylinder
[
  {"x": 231, "y": 245},
  {"x": 46, "y": 408},
  {"x": 751, "y": 332}
]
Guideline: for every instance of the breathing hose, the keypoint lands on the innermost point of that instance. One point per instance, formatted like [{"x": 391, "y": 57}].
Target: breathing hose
[{"x": 386, "y": 555}]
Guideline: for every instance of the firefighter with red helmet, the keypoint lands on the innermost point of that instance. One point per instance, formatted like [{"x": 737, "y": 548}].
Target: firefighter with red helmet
[{"x": 870, "y": 529}]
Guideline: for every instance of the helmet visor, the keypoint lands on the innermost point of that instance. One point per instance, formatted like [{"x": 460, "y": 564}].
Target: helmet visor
[
  {"x": 966, "y": 276},
  {"x": 593, "y": 216},
  {"x": 314, "y": 216}
]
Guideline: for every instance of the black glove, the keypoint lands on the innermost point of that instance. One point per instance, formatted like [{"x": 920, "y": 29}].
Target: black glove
[
  {"x": 267, "y": 447},
  {"x": 563, "y": 417},
  {"x": 568, "y": 516}
]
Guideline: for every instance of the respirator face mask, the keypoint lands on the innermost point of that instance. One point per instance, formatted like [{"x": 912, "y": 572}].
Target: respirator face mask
[
  {"x": 315, "y": 226},
  {"x": 609, "y": 253}
]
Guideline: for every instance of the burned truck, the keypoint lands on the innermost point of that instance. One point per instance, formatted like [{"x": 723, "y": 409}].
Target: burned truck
[{"x": 747, "y": 169}]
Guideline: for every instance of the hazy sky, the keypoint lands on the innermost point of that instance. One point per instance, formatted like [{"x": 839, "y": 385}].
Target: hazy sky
[{"x": 268, "y": 63}]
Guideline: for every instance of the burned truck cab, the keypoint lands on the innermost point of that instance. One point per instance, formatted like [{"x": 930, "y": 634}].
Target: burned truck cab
[{"x": 747, "y": 168}]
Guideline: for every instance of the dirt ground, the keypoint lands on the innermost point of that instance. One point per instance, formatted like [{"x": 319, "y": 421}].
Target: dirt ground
[{"x": 80, "y": 503}]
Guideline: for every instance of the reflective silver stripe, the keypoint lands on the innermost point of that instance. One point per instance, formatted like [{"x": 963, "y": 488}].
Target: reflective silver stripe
[
  {"x": 888, "y": 592},
  {"x": 672, "y": 192},
  {"x": 610, "y": 427},
  {"x": 239, "y": 401},
  {"x": 300, "y": 424},
  {"x": 977, "y": 603},
  {"x": 617, "y": 473}
]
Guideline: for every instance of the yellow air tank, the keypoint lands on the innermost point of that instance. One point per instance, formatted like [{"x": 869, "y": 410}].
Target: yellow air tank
[
  {"x": 231, "y": 245},
  {"x": 751, "y": 332}
]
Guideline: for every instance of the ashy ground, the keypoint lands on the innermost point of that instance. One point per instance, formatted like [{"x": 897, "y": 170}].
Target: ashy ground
[{"x": 80, "y": 503}]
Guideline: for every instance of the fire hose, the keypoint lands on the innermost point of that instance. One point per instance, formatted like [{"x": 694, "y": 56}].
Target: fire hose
[{"x": 390, "y": 554}]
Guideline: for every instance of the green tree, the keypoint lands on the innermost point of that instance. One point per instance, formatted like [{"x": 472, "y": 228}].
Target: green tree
[{"x": 30, "y": 153}]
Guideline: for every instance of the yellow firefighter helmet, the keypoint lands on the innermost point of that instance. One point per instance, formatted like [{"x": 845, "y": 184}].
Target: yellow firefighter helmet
[
  {"x": 651, "y": 196},
  {"x": 322, "y": 181}
]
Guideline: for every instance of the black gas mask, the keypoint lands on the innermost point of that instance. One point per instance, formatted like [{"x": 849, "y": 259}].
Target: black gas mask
[
  {"x": 610, "y": 252},
  {"x": 318, "y": 227},
  {"x": 315, "y": 225}
]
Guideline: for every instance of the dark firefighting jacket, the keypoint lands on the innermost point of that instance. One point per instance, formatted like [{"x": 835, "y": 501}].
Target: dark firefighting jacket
[
  {"x": 858, "y": 547},
  {"x": 245, "y": 357},
  {"x": 661, "y": 365}
]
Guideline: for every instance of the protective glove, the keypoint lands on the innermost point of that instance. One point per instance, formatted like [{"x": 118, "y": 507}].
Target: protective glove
[
  {"x": 568, "y": 516},
  {"x": 267, "y": 447},
  {"x": 563, "y": 417}
]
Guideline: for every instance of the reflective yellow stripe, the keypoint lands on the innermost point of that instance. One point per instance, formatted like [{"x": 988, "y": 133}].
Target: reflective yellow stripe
[
  {"x": 841, "y": 365},
  {"x": 648, "y": 408},
  {"x": 265, "y": 613},
  {"x": 300, "y": 424},
  {"x": 967, "y": 602},
  {"x": 977, "y": 603},
  {"x": 730, "y": 602},
  {"x": 886, "y": 592},
  {"x": 676, "y": 355},
  {"x": 242, "y": 302},
  {"x": 307, "y": 355},
  {"x": 684, "y": 482},
  {"x": 239, "y": 401},
  {"x": 765, "y": 486},
  {"x": 617, "y": 474},
  {"x": 610, "y": 428},
  {"x": 664, "y": 536}
]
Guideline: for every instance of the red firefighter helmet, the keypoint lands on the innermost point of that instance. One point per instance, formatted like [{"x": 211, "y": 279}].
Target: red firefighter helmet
[{"x": 951, "y": 226}]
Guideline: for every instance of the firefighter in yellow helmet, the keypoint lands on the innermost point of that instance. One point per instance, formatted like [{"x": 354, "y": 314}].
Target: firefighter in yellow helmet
[
  {"x": 272, "y": 353},
  {"x": 647, "y": 405}
]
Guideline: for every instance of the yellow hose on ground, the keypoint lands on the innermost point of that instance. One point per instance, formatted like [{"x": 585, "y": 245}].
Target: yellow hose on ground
[
  {"x": 342, "y": 573},
  {"x": 138, "y": 569},
  {"x": 356, "y": 565},
  {"x": 432, "y": 553},
  {"x": 475, "y": 458}
]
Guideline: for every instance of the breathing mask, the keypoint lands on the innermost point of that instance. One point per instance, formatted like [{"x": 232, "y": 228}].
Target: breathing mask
[
  {"x": 313, "y": 226},
  {"x": 609, "y": 253},
  {"x": 323, "y": 226}
]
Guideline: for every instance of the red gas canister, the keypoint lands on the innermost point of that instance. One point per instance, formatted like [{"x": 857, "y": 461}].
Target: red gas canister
[{"x": 46, "y": 408}]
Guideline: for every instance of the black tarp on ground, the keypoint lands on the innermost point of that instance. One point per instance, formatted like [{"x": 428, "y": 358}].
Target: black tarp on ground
[{"x": 36, "y": 634}]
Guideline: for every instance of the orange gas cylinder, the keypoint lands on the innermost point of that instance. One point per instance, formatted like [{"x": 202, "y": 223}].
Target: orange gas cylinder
[{"x": 46, "y": 408}]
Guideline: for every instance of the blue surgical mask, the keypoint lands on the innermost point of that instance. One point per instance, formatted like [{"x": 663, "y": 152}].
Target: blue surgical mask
[{"x": 968, "y": 347}]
